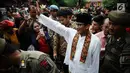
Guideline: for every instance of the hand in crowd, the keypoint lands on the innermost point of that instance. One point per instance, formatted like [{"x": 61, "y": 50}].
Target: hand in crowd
[
  {"x": 55, "y": 55},
  {"x": 39, "y": 35},
  {"x": 26, "y": 17}
]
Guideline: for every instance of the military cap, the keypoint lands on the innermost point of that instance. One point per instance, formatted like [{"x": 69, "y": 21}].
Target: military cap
[
  {"x": 2, "y": 45},
  {"x": 83, "y": 18},
  {"x": 120, "y": 18}
]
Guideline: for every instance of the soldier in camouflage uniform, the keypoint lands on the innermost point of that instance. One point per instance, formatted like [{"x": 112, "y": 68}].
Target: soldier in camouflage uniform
[{"x": 27, "y": 61}]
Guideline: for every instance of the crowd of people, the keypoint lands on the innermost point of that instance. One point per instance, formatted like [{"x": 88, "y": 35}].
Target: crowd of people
[{"x": 64, "y": 40}]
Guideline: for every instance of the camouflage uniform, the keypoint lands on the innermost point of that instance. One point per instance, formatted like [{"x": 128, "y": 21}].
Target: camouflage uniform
[{"x": 37, "y": 62}]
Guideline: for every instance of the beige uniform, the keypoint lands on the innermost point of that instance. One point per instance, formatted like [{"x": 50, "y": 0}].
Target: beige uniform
[{"x": 36, "y": 62}]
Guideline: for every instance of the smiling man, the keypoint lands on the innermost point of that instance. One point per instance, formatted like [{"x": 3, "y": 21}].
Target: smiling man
[{"x": 83, "y": 48}]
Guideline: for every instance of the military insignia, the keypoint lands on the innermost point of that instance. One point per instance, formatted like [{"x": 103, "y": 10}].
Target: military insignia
[
  {"x": 23, "y": 64},
  {"x": 46, "y": 65}
]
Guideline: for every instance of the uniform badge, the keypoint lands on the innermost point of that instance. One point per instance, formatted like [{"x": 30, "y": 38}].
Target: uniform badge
[
  {"x": 46, "y": 65},
  {"x": 23, "y": 64}
]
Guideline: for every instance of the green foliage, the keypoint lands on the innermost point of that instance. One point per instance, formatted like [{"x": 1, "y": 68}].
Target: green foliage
[
  {"x": 68, "y": 3},
  {"x": 53, "y": 2},
  {"x": 110, "y": 4}
]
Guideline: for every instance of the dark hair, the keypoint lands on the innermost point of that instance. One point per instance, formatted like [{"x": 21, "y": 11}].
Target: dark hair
[
  {"x": 99, "y": 19},
  {"x": 10, "y": 48},
  {"x": 46, "y": 14},
  {"x": 18, "y": 21},
  {"x": 31, "y": 7},
  {"x": 64, "y": 12},
  {"x": 32, "y": 25}
]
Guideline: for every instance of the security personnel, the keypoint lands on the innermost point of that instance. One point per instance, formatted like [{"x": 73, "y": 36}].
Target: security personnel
[
  {"x": 27, "y": 61},
  {"x": 117, "y": 54}
]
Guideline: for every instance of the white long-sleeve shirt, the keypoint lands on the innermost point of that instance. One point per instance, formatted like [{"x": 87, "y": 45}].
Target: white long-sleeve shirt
[{"x": 91, "y": 64}]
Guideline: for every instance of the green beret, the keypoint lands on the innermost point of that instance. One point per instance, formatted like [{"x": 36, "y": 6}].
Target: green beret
[
  {"x": 2, "y": 45},
  {"x": 120, "y": 18}
]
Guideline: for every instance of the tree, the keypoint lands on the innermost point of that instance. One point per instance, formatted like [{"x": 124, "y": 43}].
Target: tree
[{"x": 110, "y": 4}]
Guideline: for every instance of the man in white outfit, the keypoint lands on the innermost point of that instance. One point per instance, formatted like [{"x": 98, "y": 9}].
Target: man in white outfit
[{"x": 83, "y": 49}]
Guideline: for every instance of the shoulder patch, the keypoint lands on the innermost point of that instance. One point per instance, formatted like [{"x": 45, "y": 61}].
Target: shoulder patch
[{"x": 46, "y": 65}]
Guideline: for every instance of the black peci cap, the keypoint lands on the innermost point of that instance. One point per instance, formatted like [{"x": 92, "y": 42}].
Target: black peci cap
[{"x": 83, "y": 18}]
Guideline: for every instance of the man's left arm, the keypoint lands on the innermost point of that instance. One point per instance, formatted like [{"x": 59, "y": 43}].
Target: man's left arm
[{"x": 95, "y": 58}]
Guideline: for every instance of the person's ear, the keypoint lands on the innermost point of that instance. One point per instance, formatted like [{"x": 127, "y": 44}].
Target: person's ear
[{"x": 69, "y": 16}]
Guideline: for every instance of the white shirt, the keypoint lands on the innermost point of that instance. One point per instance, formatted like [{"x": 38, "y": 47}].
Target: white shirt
[{"x": 92, "y": 61}]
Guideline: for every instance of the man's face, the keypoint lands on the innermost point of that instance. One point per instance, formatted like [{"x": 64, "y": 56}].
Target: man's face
[
  {"x": 82, "y": 27},
  {"x": 36, "y": 27},
  {"x": 53, "y": 13},
  {"x": 106, "y": 11},
  {"x": 64, "y": 20},
  {"x": 105, "y": 27},
  {"x": 33, "y": 13},
  {"x": 114, "y": 29},
  {"x": 95, "y": 27}
]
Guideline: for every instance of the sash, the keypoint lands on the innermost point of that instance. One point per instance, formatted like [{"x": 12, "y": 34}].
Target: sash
[{"x": 84, "y": 49}]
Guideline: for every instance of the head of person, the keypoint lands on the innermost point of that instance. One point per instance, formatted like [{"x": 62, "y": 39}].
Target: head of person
[
  {"x": 83, "y": 21},
  {"x": 97, "y": 21},
  {"x": 33, "y": 11},
  {"x": 7, "y": 26},
  {"x": 65, "y": 16},
  {"x": 105, "y": 26},
  {"x": 53, "y": 10},
  {"x": 118, "y": 22},
  {"x": 8, "y": 50},
  {"x": 3, "y": 15},
  {"x": 36, "y": 27},
  {"x": 9, "y": 14},
  {"x": 18, "y": 22}
]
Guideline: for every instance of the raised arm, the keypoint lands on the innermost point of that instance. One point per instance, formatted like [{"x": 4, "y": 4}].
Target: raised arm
[{"x": 55, "y": 26}]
